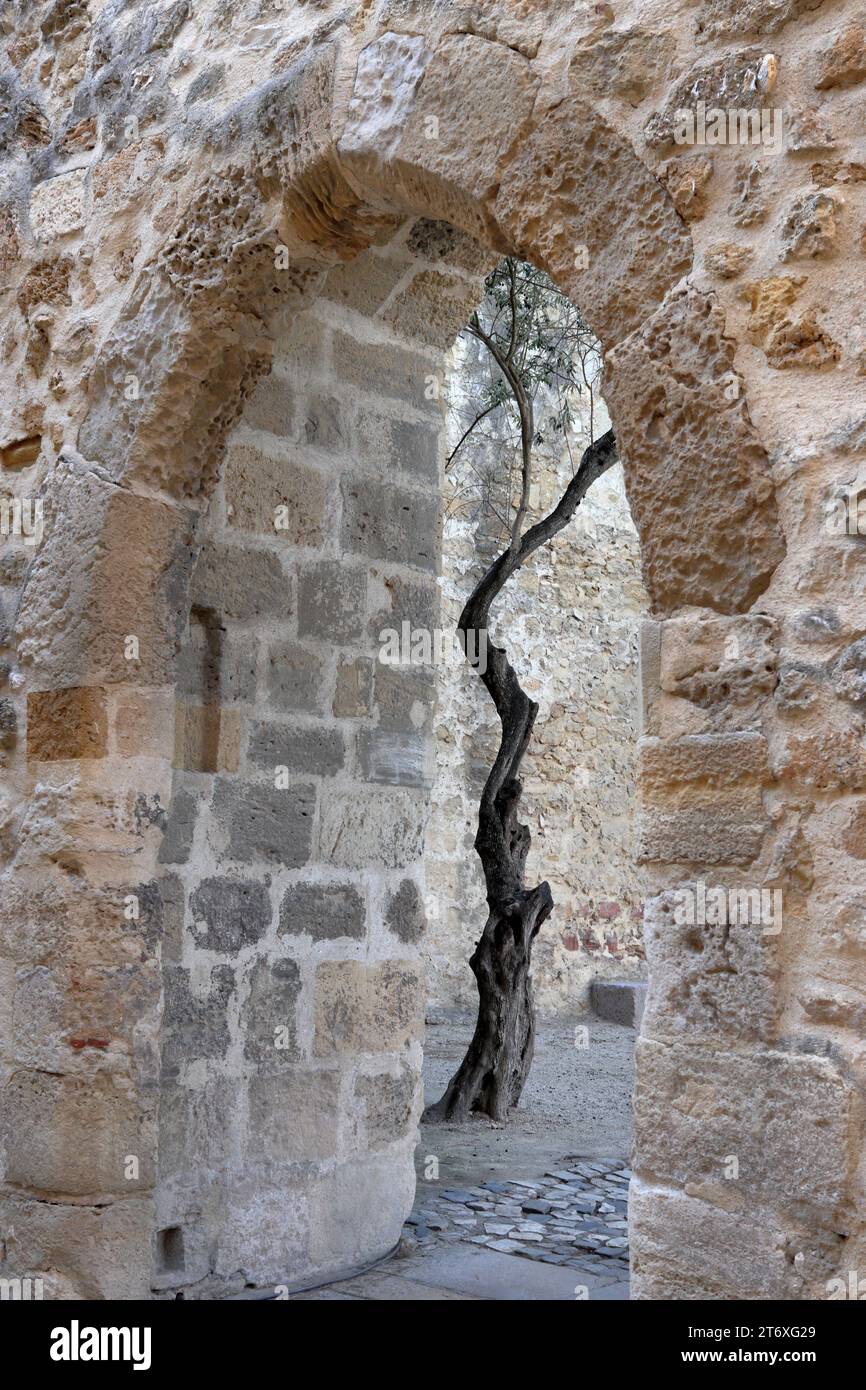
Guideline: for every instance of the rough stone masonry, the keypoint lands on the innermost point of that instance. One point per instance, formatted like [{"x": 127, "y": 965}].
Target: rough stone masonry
[{"x": 235, "y": 241}]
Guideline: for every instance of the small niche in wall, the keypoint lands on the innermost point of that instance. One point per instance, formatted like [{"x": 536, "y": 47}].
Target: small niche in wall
[{"x": 169, "y": 1250}]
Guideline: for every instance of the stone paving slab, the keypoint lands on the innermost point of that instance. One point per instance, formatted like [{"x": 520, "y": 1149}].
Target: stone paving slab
[
  {"x": 392, "y": 1283},
  {"x": 492, "y": 1274}
]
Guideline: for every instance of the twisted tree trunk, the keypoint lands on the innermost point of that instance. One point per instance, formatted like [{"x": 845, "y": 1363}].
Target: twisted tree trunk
[{"x": 492, "y": 1075}]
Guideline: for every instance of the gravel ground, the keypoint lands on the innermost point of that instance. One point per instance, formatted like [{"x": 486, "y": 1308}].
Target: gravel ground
[{"x": 577, "y": 1102}]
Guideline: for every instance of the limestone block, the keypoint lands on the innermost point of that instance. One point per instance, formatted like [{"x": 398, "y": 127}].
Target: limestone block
[
  {"x": 214, "y": 667},
  {"x": 264, "y": 822},
  {"x": 414, "y": 448},
  {"x": 708, "y": 979},
  {"x": 268, "y": 1016},
  {"x": 353, "y": 694},
  {"x": 271, "y": 406},
  {"x": 405, "y": 697},
  {"x": 742, "y": 80},
  {"x": 86, "y": 1252},
  {"x": 443, "y": 133},
  {"x": 274, "y": 496},
  {"x": 715, "y": 760},
  {"x": 324, "y": 911},
  {"x": 294, "y": 1116},
  {"x": 365, "y": 283},
  {"x": 206, "y": 738},
  {"x": 141, "y": 721},
  {"x": 264, "y": 1228},
  {"x": 70, "y": 723},
  {"x": 699, "y": 1107},
  {"x": 384, "y": 370},
  {"x": 404, "y": 913},
  {"x": 696, "y": 471},
  {"x": 229, "y": 913},
  {"x": 433, "y": 308},
  {"x": 57, "y": 205},
  {"x": 690, "y": 1249},
  {"x": 727, "y": 667},
  {"x": 114, "y": 567},
  {"x": 300, "y": 748},
  {"x": 381, "y": 829},
  {"x": 193, "y": 1133},
  {"x": 294, "y": 676},
  {"x": 626, "y": 63},
  {"x": 729, "y": 831},
  {"x": 331, "y": 601},
  {"x": 398, "y": 759},
  {"x": 73, "y": 1135},
  {"x": 179, "y": 827},
  {"x": 388, "y": 1101},
  {"x": 194, "y": 1026},
  {"x": 357, "y": 1210},
  {"x": 615, "y": 245},
  {"x": 241, "y": 583},
  {"x": 387, "y": 523},
  {"x": 367, "y": 1008}
]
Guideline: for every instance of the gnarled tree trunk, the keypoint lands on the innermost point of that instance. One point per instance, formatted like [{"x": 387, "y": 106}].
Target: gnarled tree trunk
[{"x": 492, "y": 1075}]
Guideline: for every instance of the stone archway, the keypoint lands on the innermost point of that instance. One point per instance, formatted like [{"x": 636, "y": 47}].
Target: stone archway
[{"x": 325, "y": 160}]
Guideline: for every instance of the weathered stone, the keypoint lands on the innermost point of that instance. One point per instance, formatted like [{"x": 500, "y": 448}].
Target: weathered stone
[
  {"x": 300, "y": 748},
  {"x": 413, "y": 447},
  {"x": 353, "y": 696},
  {"x": 810, "y": 226},
  {"x": 626, "y": 63},
  {"x": 685, "y": 180},
  {"x": 295, "y": 675},
  {"x": 228, "y": 913},
  {"x": 727, "y": 260},
  {"x": 388, "y": 1105},
  {"x": 383, "y": 370},
  {"x": 740, "y": 81},
  {"x": 214, "y": 668},
  {"x": 843, "y": 63},
  {"x": 272, "y": 495},
  {"x": 701, "y": 1095},
  {"x": 71, "y": 1135},
  {"x": 384, "y": 829},
  {"x": 294, "y": 1116},
  {"x": 195, "y": 1026},
  {"x": 634, "y": 245},
  {"x": 264, "y": 822},
  {"x": 57, "y": 205},
  {"x": 693, "y": 461},
  {"x": 324, "y": 911},
  {"x": 366, "y": 1008},
  {"x": 331, "y": 602},
  {"x": 206, "y": 738},
  {"x": 404, "y": 913},
  {"x": 268, "y": 1016},
  {"x": 400, "y": 759},
  {"x": 271, "y": 406},
  {"x": 241, "y": 583},
  {"x": 68, "y": 723},
  {"x": 179, "y": 828},
  {"x": 710, "y": 978},
  {"x": 387, "y": 524}
]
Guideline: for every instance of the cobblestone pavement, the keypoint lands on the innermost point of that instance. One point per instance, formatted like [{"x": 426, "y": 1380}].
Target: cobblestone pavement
[{"x": 576, "y": 1215}]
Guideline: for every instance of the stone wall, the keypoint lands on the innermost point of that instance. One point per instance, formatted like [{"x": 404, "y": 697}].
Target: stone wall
[
  {"x": 570, "y": 619},
  {"x": 294, "y": 990},
  {"x": 177, "y": 180}
]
